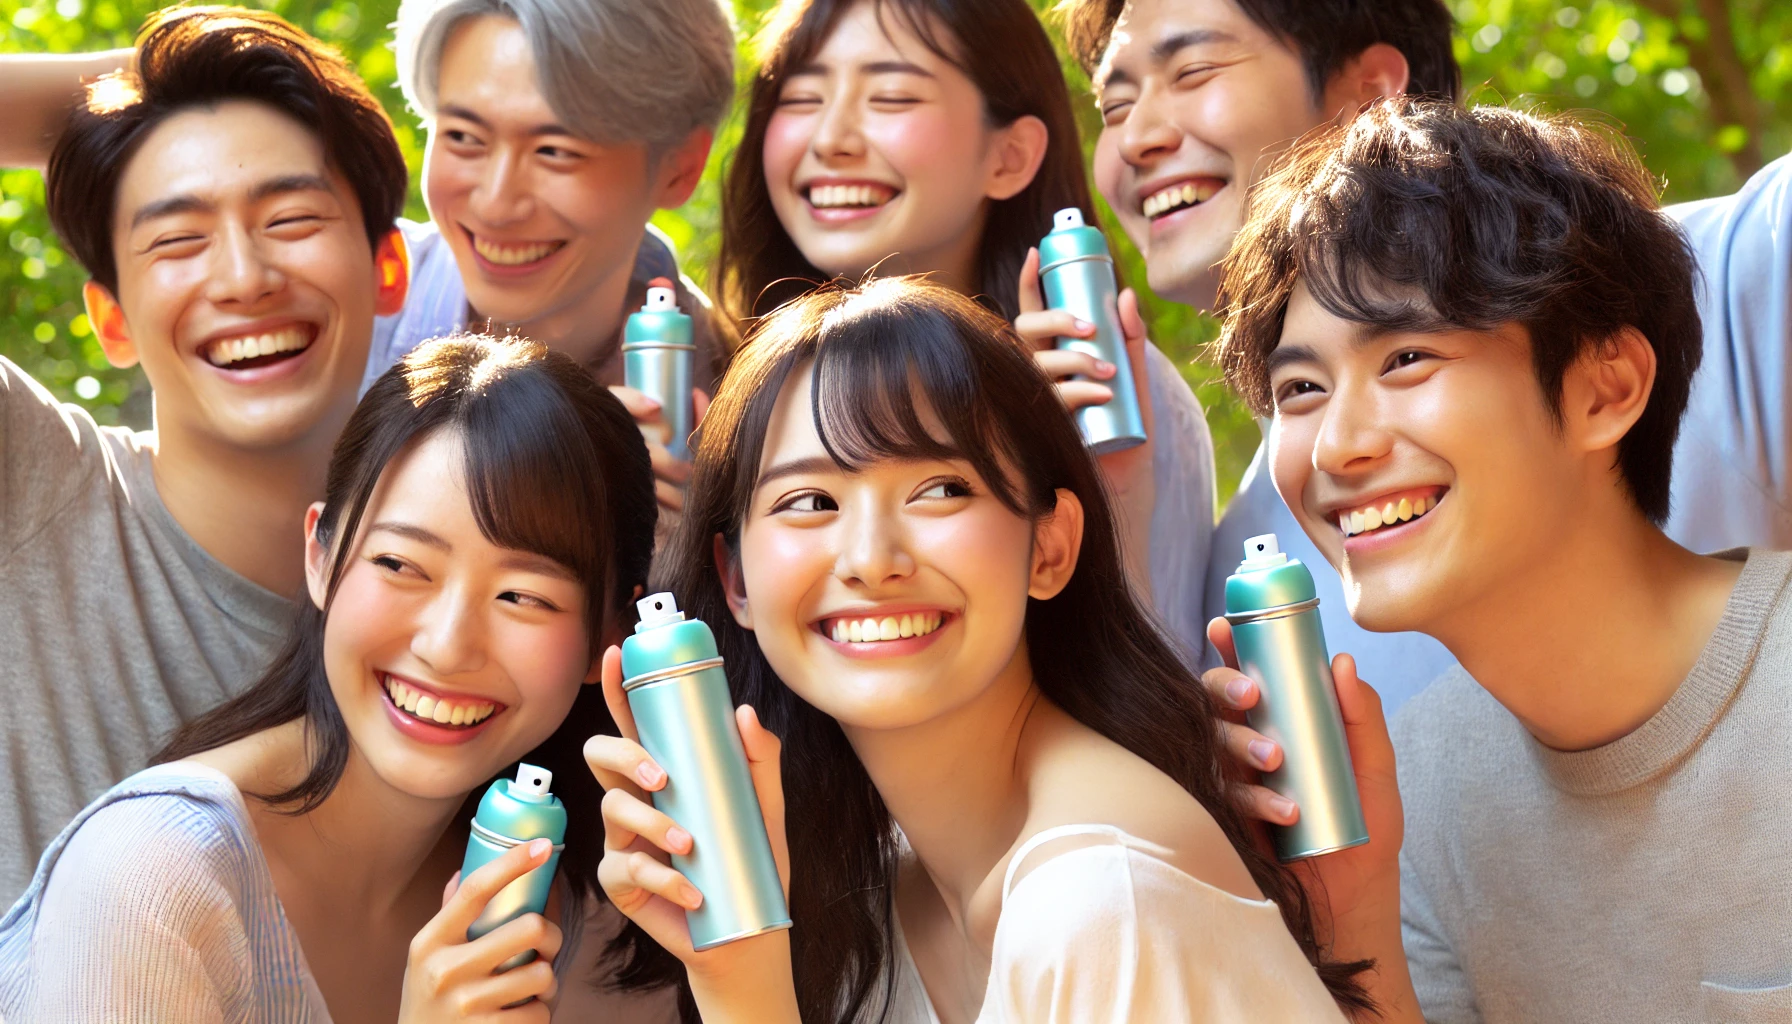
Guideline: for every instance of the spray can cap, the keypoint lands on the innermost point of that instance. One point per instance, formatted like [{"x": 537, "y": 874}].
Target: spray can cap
[
  {"x": 1262, "y": 552},
  {"x": 1067, "y": 218},
  {"x": 660, "y": 300},
  {"x": 657, "y": 610},
  {"x": 532, "y": 784}
]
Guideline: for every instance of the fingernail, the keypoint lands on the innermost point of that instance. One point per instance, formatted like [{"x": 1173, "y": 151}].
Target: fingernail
[
  {"x": 1261, "y": 751},
  {"x": 650, "y": 774},
  {"x": 1082, "y": 325},
  {"x": 678, "y": 838},
  {"x": 540, "y": 848},
  {"x": 692, "y": 898},
  {"x": 1238, "y": 689},
  {"x": 1283, "y": 807},
  {"x": 1103, "y": 367}
]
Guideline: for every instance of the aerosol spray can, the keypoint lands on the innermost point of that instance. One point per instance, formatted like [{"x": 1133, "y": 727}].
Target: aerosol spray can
[
  {"x": 1078, "y": 275},
  {"x": 685, "y": 716},
  {"x": 1274, "y": 612},
  {"x": 512, "y": 814},
  {"x": 657, "y": 355}
]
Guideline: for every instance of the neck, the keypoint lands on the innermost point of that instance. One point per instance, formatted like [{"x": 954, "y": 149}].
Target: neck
[
  {"x": 246, "y": 507},
  {"x": 589, "y": 328},
  {"x": 973, "y": 753},
  {"x": 1592, "y": 638},
  {"x": 953, "y": 265}
]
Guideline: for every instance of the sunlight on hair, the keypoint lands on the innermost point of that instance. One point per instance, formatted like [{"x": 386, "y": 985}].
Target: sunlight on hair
[{"x": 113, "y": 92}]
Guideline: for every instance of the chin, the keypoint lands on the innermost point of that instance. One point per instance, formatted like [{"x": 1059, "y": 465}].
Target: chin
[{"x": 1187, "y": 279}]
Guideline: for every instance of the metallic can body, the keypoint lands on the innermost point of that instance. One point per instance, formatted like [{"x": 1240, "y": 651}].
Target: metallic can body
[
  {"x": 508, "y": 823},
  {"x": 684, "y": 714},
  {"x": 1283, "y": 649},
  {"x": 663, "y": 373},
  {"x": 1083, "y": 285}
]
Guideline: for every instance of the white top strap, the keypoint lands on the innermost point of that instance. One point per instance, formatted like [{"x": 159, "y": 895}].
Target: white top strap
[{"x": 1044, "y": 836}]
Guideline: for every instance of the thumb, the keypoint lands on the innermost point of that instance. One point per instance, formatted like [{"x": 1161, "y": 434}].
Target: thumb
[
  {"x": 764, "y": 756},
  {"x": 1132, "y": 327},
  {"x": 448, "y": 890},
  {"x": 1364, "y": 725}
]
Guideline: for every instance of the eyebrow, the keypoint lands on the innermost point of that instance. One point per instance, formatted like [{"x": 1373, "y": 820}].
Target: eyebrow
[
  {"x": 285, "y": 184},
  {"x": 1168, "y": 47},
  {"x": 522, "y": 561},
  {"x": 797, "y": 467},
  {"x": 411, "y": 532},
  {"x": 550, "y": 128},
  {"x": 1284, "y": 355}
]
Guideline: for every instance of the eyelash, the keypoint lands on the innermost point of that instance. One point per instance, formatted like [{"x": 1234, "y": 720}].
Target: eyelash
[
  {"x": 789, "y": 504},
  {"x": 393, "y": 564},
  {"x": 963, "y": 486}
]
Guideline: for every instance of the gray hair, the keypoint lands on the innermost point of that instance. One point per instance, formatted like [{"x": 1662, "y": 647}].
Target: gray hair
[{"x": 613, "y": 71}]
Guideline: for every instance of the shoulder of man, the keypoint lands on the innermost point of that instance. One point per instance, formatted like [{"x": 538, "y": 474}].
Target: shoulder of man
[
  {"x": 50, "y": 452},
  {"x": 1449, "y": 738}
]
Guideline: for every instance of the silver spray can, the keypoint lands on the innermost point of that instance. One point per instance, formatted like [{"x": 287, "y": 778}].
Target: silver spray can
[
  {"x": 511, "y": 814},
  {"x": 1274, "y": 612},
  {"x": 684, "y": 714},
  {"x": 657, "y": 356},
  {"x": 1077, "y": 273}
]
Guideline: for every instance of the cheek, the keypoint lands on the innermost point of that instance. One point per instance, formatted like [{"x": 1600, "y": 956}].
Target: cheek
[
  {"x": 547, "y": 661},
  {"x": 1106, "y": 168},
  {"x": 778, "y": 567},
  {"x": 934, "y": 152},
  {"x": 786, "y": 140},
  {"x": 447, "y": 179},
  {"x": 367, "y": 621},
  {"x": 1291, "y": 456}
]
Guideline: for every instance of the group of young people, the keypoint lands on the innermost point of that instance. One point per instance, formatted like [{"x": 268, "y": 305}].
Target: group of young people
[{"x": 263, "y": 660}]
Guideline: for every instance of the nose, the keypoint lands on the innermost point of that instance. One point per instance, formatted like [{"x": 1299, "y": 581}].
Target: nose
[
  {"x": 449, "y": 636},
  {"x": 502, "y": 195},
  {"x": 241, "y": 274},
  {"x": 838, "y": 135},
  {"x": 874, "y": 550},
  {"x": 1148, "y": 134},
  {"x": 1353, "y": 436}
]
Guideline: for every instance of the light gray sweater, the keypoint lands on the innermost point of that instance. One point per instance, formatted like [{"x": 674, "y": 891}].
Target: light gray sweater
[{"x": 1648, "y": 880}]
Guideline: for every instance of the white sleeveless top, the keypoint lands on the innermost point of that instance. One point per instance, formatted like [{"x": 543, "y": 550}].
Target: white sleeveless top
[{"x": 1112, "y": 932}]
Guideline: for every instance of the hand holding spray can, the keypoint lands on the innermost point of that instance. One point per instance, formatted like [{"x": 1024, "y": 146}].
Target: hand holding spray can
[
  {"x": 684, "y": 716},
  {"x": 1078, "y": 276},
  {"x": 1274, "y": 612},
  {"x": 512, "y": 814},
  {"x": 657, "y": 355}
]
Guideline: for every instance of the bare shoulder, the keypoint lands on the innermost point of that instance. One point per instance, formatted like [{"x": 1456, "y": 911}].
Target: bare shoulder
[{"x": 1076, "y": 776}]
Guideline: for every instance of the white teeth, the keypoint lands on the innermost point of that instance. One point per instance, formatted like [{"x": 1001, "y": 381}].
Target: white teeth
[
  {"x": 426, "y": 708},
  {"x": 1405, "y": 509},
  {"x": 235, "y": 350},
  {"x": 824, "y": 197},
  {"x": 1187, "y": 193},
  {"x": 1363, "y": 520},
  {"x": 513, "y": 255},
  {"x": 889, "y": 627},
  {"x": 437, "y": 710}
]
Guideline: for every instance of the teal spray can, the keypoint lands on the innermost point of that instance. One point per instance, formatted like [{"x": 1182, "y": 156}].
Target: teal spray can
[
  {"x": 511, "y": 814},
  {"x": 1077, "y": 273},
  {"x": 1274, "y": 612},
  {"x": 684, "y": 715},
  {"x": 657, "y": 356}
]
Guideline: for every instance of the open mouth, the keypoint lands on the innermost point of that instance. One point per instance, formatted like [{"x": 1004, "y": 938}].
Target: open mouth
[
  {"x": 1181, "y": 195},
  {"x": 1388, "y": 512},
  {"x": 437, "y": 710},
  {"x": 253, "y": 351},
  {"x": 853, "y": 196},
  {"x": 513, "y": 254},
  {"x": 875, "y": 628}
]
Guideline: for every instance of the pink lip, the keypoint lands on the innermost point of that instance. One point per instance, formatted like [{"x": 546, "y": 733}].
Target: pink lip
[
  {"x": 491, "y": 269},
  {"x": 428, "y": 732},
  {"x": 272, "y": 372},
  {"x": 879, "y": 649}
]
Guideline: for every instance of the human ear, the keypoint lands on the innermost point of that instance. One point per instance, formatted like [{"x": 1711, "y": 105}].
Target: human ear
[
  {"x": 1057, "y": 541},
  {"x": 734, "y": 584},
  {"x": 1380, "y": 70},
  {"x": 317, "y": 558},
  {"x": 1018, "y": 151},
  {"x": 107, "y": 318},
  {"x": 681, "y": 169},
  {"x": 1606, "y": 390},
  {"x": 391, "y": 274}
]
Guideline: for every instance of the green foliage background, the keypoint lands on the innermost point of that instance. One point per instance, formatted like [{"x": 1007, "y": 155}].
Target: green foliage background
[{"x": 1704, "y": 87}]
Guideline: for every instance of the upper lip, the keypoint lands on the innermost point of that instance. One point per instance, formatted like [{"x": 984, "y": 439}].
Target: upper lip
[
  {"x": 1333, "y": 509},
  {"x": 882, "y": 611},
  {"x": 265, "y": 325},
  {"x": 438, "y": 692}
]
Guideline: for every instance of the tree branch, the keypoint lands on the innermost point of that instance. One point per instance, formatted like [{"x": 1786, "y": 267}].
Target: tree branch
[{"x": 1722, "y": 73}]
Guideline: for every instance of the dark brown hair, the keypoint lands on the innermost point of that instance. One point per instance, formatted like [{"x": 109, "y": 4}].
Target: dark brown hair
[
  {"x": 198, "y": 57},
  {"x": 1017, "y": 72},
  {"x": 1422, "y": 216},
  {"x": 554, "y": 466},
  {"x": 1326, "y": 34},
  {"x": 878, "y": 357}
]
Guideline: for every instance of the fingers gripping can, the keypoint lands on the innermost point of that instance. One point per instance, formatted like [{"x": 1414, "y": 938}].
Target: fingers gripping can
[
  {"x": 657, "y": 355},
  {"x": 1274, "y": 611},
  {"x": 1077, "y": 273},
  {"x": 684, "y": 714},
  {"x": 510, "y": 814}
]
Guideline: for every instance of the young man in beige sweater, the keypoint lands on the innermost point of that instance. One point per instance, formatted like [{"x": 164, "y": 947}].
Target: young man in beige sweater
[{"x": 1476, "y": 335}]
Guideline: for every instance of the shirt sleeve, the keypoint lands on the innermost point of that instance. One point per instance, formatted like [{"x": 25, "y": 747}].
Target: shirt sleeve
[
  {"x": 1443, "y": 989},
  {"x": 141, "y": 920},
  {"x": 49, "y": 452}
]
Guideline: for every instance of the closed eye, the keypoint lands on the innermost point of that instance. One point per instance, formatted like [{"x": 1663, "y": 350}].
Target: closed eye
[{"x": 397, "y": 566}]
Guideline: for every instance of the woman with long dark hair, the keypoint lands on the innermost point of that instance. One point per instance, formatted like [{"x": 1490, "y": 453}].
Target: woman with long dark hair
[
  {"x": 936, "y": 137},
  {"x": 1001, "y": 792},
  {"x": 489, "y": 512}
]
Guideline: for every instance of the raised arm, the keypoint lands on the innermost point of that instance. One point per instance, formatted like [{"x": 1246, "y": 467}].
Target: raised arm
[{"x": 36, "y": 91}]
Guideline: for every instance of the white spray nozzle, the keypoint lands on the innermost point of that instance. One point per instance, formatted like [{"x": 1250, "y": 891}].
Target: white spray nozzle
[
  {"x": 532, "y": 781},
  {"x": 1069, "y": 217},
  {"x": 659, "y": 300},
  {"x": 656, "y": 610},
  {"x": 1261, "y": 552}
]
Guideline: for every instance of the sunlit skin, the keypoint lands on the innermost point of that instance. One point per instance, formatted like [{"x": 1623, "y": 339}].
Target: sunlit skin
[
  {"x": 425, "y": 597},
  {"x": 876, "y": 109},
  {"x": 505, "y": 181},
  {"x": 1193, "y": 92},
  {"x": 231, "y": 223}
]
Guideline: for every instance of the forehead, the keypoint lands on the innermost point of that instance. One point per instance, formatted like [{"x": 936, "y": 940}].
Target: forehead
[
  {"x": 1148, "y": 32},
  {"x": 870, "y": 32},
  {"x": 219, "y": 153},
  {"x": 487, "y": 66}
]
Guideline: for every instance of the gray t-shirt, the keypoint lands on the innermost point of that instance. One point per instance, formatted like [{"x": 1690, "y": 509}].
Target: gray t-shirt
[
  {"x": 115, "y": 626},
  {"x": 1649, "y": 879}
]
